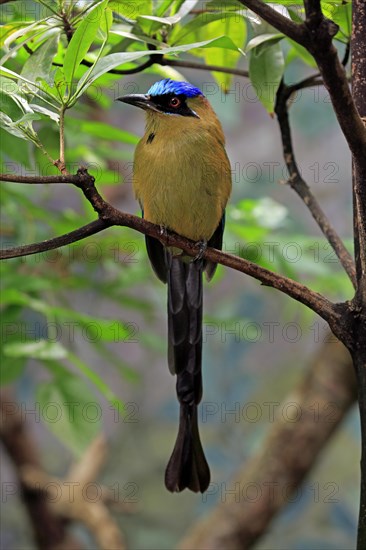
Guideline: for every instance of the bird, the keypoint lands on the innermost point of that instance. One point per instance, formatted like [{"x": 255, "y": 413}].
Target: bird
[{"x": 182, "y": 180}]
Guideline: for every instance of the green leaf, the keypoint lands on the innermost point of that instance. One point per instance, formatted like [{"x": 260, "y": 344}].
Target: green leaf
[
  {"x": 131, "y": 9},
  {"x": 7, "y": 30},
  {"x": 263, "y": 40},
  {"x": 265, "y": 71},
  {"x": 70, "y": 411},
  {"x": 10, "y": 107},
  {"x": 32, "y": 87},
  {"x": 106, "y": 22},
  {"x": 202, "y": 20},
  {"x": 51, "y": 5},
  {"x": 20, "y": 30},
  {"x": 162, "y": 7},
  {"x": 155, "y": 22},
  {"x": 50, "y": 114},
  {"x": 14, "y": 149},
  {"x": 82, "y": 39},
  {"x": 9, "y": 126},
  {"x": 152, "y": 23},
  {"x": 37, "y": 350},
  {"x": 230, "y": 5},
  {"x": 39, "y": 63},
  {"x": 342, "y": 16},
  {"x": 95, "y": 379},
  {"x": 297, "y": 51},
  {"x": 230, "y": 26},
  {"x": 144, "y": 39},
  {"x": 185, "y": 7}
]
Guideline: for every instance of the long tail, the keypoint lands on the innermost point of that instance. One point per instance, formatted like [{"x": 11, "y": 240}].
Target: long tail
[{"x": 187, "y": 467}]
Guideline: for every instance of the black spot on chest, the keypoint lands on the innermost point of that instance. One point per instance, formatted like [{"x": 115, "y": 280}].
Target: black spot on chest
[{"x": 150, "y": 139}]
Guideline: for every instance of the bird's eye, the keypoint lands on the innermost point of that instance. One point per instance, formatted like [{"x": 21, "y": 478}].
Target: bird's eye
[{"x": 174, "y": 102}]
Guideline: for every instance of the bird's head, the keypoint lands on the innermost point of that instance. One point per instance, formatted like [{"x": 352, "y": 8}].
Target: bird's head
[{"x": 169, "y": 98}]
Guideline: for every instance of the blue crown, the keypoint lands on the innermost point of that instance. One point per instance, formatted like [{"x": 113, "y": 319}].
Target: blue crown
[{"x": 168, "y": 86}]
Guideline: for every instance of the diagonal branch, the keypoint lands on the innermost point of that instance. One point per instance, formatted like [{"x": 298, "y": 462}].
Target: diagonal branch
[
  {"x": 299, "y": 185},
  {"x": 109, "y": 216}
]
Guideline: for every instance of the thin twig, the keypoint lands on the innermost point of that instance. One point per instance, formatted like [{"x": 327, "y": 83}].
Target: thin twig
[
  {"x": 193, "y": 65},
  {"x": 51, "y": 244},
  {"x": 303, "y": 190},
  {"x": 133, "y": 70},
  {"x": 307, "y": 82},
  {"x": 34, "y": 180}
]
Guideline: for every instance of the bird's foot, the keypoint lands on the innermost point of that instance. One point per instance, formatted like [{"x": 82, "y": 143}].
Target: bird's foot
[{"x": 202, "y": 249}]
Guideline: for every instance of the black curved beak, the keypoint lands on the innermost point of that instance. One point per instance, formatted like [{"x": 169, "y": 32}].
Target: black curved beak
[{"x": 139, "y": 100}]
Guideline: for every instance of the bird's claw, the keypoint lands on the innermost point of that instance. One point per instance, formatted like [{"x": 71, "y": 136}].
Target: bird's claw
[
  {"x": 163, "y": 232},
  {"x": 202, "y": 249}
]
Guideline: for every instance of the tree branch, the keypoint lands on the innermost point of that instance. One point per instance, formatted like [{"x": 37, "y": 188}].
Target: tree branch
[
  {"x": 193, "y": 65},
  {"x": 51, "y": 244},
  {"x": 288, "y": 453},
  {"x": 109, "y": 216},
  {"x": 41, "y": 180},
  {"x": 359, "y": 220},
  {"x": 76, "y": 507},
  {"x": 283, "y": 24},
  {"x": 359, "y": 165},
  {"x": 313, "y": 11},
  {"x": 299, "y": 185}
]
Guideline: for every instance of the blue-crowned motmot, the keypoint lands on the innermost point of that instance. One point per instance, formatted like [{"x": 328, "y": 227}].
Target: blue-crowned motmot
[{"x": 182, "y": 179}]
